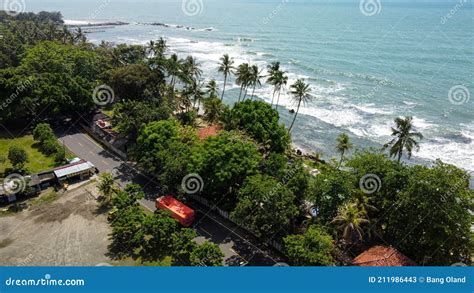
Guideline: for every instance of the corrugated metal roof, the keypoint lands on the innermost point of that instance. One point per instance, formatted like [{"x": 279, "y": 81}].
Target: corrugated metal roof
[{"x": 68, "y": 170}]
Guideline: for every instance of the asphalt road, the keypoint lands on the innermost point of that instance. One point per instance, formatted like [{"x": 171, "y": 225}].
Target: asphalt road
[{"x": 236, "y": 244}]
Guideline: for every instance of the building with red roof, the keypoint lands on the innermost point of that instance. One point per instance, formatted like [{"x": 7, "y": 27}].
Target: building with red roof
[
  {"x": 382, "y": 256},
  {"x": 211, "y": 130}
]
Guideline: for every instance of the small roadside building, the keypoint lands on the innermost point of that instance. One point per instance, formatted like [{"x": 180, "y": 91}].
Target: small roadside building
[
  {"x": 382, "y": 256},
  {"x": 80, "y": 170}
]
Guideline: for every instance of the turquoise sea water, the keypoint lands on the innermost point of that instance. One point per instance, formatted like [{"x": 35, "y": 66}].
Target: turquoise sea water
[{"x": 364, "y": 70}]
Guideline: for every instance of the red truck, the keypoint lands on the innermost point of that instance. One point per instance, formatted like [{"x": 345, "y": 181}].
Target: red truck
[{"x": 179, "y": 211}]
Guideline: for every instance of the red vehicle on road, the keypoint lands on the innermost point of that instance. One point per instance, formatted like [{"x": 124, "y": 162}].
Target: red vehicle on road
[{"x": 179, "y": 211}]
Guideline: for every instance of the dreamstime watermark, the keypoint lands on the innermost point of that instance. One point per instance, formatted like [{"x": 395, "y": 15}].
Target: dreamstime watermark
[
  {"x": 284, "y": 181},
  {"x": 14, "y": 183},
  {"x": 14, "y": 7},
  {"x": 192, "y": 7},
  {"x": 459, "y": 95},
  {"x": 23, "y": 86},
  {"x": 99, "y": 9},
  {"x": 274, "y": 12},
  {"x": 370, "y": 183},
  {"x": 370, "y": 7},
  {"x": 45, "y": 281},
  {"x": 26, "y": 261},
  {"x": 192, "y": 183},
  {"x": 453, "y": 11},
  {"x": 103, "y": 95},
  {"x": 456, "y": 186}
]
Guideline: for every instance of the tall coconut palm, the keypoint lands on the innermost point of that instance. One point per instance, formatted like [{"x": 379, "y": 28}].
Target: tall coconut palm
[
  {"x": 278, "y": 79},
  {"x": 191, "y": 70},
  {"x": 254, "y": 78},
  {"x": 194, "y": 89},
  {"x": 213, "y": 109},
  {"x": 211, "y": 88},
  {"x": 242, "y": 74},
  {"x": 404, "y": 138},
  {"x": 107, "y": 186},
  {"x": 343, "y": 145},
  {"x": 173, "y": 68},
  {"x": 350, "y": 221},
  {"x": 300, "y": 92},
  {"x": 225, "y": 67}
]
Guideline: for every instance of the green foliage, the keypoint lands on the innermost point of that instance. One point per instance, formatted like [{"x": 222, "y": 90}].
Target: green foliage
[
  {"x": 58, "y": 77},
  {"x": 107, "y": 186},
  {"x": 213, "y": 109},
  {"x": 313, "y": 248},
  {"x": 128, "y": 197},
  {"x": 207, "y": 254},
  {"x": 265, "y": 206},
  {"x": 260, "y": 121},
  {"x": 164, "y": 149},
  {"x": 158, "y": 229},
  {"x": 43, "y": 132},
  {"x": 133, "y": 82},
  {"x": 183, "y": 246},
  {"x": 431, "y": 220},
  {"x": 127, "y": 231},
  {"x": 129, "y": 116},
  {"x": 18, "y": 157},
  {"x": 330, "y": 190},
  {"x": 224, "y": 161}
]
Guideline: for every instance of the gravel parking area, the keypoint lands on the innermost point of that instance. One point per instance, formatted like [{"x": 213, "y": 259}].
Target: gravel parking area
[{"x": 70, "y": 231}]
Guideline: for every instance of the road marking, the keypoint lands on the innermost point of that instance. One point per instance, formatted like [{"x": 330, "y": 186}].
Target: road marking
[
  {"x": 93, "y": 141},
  {"x": 233, "y": 250},
  {"x": 80, "y": 144},
  {"x": 105, "y": 163},
  {"x": 204, "y": 230}
]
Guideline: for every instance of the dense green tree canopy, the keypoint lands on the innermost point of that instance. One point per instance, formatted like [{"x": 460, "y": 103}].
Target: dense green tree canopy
[
  {"x": 134, "y": 82},
  {"x": 265, "y": 206},
  {"x": 313, "y": 248},
  {"x": 260, "y": 121},
  {"x": 224, "y": 161},
  {"x": 207, "y": 254},
  {"x": 52, "y": 80}
]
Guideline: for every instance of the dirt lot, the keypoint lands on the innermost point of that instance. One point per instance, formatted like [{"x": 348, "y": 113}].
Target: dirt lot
[{"x": 70, "y": 231}]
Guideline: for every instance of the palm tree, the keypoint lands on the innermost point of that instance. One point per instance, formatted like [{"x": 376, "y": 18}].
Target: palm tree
[
  {"x": 343, "y": 145},
  {"x": 278, "y": 79},
  {"x": 212, "y": 88},
  {"x": 194, "y": 89},
  {"x": 213, "y": 109},
  {"x": 254, "y": 78},
  {"x": 242, "y": 74},
  {"x": 173, "y": 68},
  {"x": 405, "y": 138},
  {"x": 107, "y": 186},
  {"x": 300, "y": 94},
  {"x": 350, "y": 220},
  {"x": 225, "y": 67},
  {"x": 191, "y": 70}
]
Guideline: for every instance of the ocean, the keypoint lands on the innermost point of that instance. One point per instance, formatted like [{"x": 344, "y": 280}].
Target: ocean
[{"x": 367, "y": 61}]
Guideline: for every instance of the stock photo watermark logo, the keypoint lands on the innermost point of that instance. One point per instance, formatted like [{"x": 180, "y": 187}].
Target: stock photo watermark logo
[
  {"x": 459, "y": 95},
  {"x": 274, "y": 12},
  {"x": 453, "y": 11},
  {"x": 99, "y": 10},
  {"x": 14, "y": 7},
  {"x": 370, "y": 183},
  {"x": 23, "y": 86},
  {"x": 370, "y": 7},
  {"x": 192, "y": 7},
  {"x": 192, "y": 183},
  {"x": 14, "y": 183},
  {"x": 103, "y": 95}
]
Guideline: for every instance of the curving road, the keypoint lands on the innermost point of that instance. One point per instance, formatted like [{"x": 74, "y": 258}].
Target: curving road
[{"x": 239, "y": 247}]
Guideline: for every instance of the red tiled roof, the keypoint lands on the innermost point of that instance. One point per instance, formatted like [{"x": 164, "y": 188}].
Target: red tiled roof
[
  {"x": 382, "y": 256},
  {"x": 209, "y": 131}
]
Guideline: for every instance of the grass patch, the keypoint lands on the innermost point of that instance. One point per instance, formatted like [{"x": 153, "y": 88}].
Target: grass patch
[
  {"x": 12, "y": 209},
  {"x": 37, "y": 161}
]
